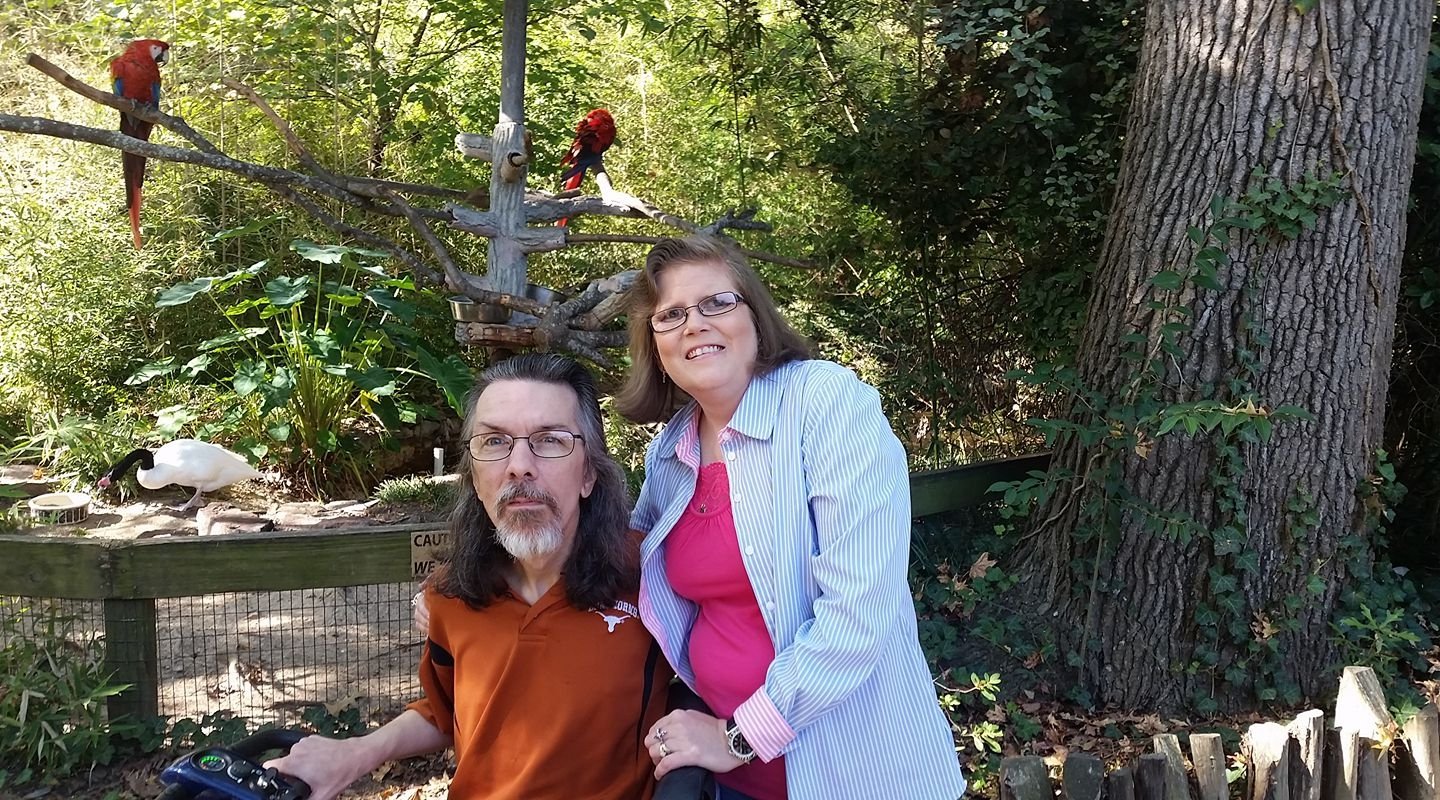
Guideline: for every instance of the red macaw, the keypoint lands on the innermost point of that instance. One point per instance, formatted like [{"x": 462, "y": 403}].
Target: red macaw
[
  {"x": 593, "y": 136},
  {"x": 137, "y": 77}
]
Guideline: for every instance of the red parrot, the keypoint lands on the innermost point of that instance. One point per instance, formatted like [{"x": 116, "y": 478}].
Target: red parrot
[
  {"x": 137, "y": 77},
  {"x": 593, "y": 136}
]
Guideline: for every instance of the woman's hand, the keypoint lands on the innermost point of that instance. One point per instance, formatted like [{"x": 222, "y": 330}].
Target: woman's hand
[
  {"x": 689, "y": 738},
  {"x": 420, "y": 612}
]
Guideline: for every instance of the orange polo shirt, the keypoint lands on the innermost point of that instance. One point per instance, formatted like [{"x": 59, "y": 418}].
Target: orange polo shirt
[{"x": 545, "y": 700}]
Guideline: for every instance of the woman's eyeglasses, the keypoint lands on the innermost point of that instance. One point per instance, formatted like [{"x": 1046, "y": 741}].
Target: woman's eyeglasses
[{"x": 669, "y": 319}]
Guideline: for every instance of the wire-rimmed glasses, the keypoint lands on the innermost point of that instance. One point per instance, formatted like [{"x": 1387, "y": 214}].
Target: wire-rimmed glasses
[
  {"x": 668, "y": 319},
  {"x": 544, "y": 444}
]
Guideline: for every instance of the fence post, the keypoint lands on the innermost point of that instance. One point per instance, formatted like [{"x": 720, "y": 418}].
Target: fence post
[
  {"x": 1151, "y": 777},
  {"x": 1082, "y": 777},
  {"x": 1308, "y": 733},
  {"x": 1207, "y": 753},
  {"x": 1419, "y": 777},
  {"x": 1120, "y": 784},
  {"x": 1268, "y": 750},
  {"x": 1168, "y": 745},
  {"x": 1025, "y": 778},
  {"x": 130, "y": 654}
]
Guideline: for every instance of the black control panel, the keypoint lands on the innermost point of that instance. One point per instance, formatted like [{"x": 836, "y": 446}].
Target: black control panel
[{"x": 218, "y": 773}]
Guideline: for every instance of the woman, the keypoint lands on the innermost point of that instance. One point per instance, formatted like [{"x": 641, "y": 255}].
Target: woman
[{"x": 776, "y": 509}]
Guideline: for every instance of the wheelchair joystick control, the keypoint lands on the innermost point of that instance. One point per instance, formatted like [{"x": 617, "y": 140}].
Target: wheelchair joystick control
[{"x": 233, "y": 774}]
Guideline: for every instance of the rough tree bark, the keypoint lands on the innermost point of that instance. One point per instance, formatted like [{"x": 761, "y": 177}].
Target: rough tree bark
[{"x": 1223, "y": 87}]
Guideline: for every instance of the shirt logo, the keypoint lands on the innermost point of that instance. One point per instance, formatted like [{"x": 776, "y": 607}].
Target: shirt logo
[{"x": 626, "y": 611}]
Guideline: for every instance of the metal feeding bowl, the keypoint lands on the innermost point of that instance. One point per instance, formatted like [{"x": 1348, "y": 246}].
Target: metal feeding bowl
[
  {"x": 463, "y": 309},
  {"x": 60, "y": 508}
]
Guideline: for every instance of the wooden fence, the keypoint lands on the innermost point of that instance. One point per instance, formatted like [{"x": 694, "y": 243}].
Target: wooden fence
[
  {"x": 128, "y": 575},
  {"x": 1361, "y": 755}
]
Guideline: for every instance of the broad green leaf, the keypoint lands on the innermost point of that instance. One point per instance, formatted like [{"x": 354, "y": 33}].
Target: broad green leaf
[
  {"x": 250, "y": 227},
  {"x": 152, "y": 370},
  {"x": 182, "y": 293},
  {"x": 320, "y": 253},
  {"x": 240, "y": 275},
  {"x": 231, "y": 338},
  {"x": 378, "y": 381},
  {"x": 197, "y": 365},
  {"x": 248, "y": 377},
  {"x": 403, "y": 311},
  {"x": 1169, "y": 279},
  {"x": 287, "y": 290},
  {"x": 170, "y": 421},
  {"x": 452, "y": 374}
]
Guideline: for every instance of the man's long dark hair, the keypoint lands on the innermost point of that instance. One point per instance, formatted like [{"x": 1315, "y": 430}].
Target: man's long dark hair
[{"x": 604, "y": 562}]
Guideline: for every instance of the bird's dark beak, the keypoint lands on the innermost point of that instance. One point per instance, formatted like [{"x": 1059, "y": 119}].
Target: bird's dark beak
[{"x": 163, "y": 58}]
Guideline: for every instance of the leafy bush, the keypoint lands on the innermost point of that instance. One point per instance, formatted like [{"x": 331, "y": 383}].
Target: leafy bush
[
  {"x": 312, "y": 358},
  {"x": 53, "y": 687}
]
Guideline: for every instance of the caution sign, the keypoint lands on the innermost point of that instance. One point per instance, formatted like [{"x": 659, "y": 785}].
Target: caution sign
[{"x": 426, "y": 547}]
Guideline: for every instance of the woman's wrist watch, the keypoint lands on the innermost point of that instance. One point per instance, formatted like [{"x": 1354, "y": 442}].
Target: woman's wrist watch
[{"x": 735, "y": 741}]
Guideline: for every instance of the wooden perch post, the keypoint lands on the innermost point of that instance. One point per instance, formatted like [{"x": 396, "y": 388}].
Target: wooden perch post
[{"x": 505, "y": 260}]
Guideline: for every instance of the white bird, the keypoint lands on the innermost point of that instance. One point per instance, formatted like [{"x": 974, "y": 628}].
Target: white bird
[{"x": 184, "y": 462}]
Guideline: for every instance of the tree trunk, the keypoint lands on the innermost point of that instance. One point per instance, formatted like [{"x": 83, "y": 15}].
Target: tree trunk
[{"x": 1180, "y": 566}]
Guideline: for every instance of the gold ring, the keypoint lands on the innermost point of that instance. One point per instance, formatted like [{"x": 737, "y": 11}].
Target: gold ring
[{"x": 664, "y": 751}]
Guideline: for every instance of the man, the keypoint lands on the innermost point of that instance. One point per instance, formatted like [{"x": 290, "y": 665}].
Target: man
[{"x": 536, "y": 668}]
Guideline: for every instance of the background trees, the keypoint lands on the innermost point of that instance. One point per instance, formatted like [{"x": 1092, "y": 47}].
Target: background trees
[
  {"x": 952, "y": 169},
  {"x": 1232, "y": 372}
]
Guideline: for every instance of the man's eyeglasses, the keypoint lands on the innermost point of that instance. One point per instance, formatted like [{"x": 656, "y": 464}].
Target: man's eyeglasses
[
  {"x": 544, "y": 444},
  {"x": 669, "y": 319}
]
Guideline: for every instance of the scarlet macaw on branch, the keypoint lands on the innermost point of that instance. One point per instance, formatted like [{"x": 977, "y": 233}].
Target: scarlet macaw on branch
[
  {"x": 136, "y": 73},
  {"x": 593, "y": 136}
]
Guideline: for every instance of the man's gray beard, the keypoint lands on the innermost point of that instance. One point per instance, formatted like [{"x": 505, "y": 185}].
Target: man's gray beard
[{"x": 529, "y": 542}]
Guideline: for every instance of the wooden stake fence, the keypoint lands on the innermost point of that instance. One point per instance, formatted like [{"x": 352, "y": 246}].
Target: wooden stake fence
[{"x": 1361, "y": 755}]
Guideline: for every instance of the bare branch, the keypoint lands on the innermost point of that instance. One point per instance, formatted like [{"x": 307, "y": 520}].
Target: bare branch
[
  {"x": 738, "y": 220},
  {"x": 296, "y": 146},
  {"x": 628, "y": 238},
  {"x": 121, "y": 104},
  {"x": 576, "y": 325}
]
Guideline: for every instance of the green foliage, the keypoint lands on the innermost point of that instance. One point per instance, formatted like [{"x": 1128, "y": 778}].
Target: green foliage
[
  {"x": 1236, "y": 644},
  {"x": 1379, "y": 621},
  {"x": 73, "y": 450},
  {"x": 416, "y": 489},
  {"x": 336, "y": 725},
  {"x": 53, "y": 686},
  {"x": 308, "y": 357}
]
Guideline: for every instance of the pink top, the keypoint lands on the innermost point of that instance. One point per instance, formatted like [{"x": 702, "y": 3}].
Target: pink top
[{"x": 730, "y": 649}]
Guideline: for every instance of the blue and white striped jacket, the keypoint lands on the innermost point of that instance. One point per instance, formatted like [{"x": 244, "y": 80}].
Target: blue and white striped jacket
[{"x": 821, "y": 499}]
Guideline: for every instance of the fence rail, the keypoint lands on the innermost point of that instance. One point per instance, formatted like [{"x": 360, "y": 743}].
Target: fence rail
[
  {"x": 1351, "y": 759},
  {"x": 127, "y": 576}
]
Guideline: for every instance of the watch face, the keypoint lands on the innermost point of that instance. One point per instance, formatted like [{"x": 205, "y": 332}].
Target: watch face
[{"x": 738, "y": 746}]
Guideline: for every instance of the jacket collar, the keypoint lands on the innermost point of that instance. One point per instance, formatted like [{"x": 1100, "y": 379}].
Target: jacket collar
[{"x": 754, "y": 417}]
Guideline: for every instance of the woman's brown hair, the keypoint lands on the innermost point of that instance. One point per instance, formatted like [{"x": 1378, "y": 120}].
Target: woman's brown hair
[{"x": 647, "y": 396}]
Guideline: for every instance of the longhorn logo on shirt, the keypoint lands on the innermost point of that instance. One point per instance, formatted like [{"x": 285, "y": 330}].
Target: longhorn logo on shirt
[{"x": 622, "y": 611}]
